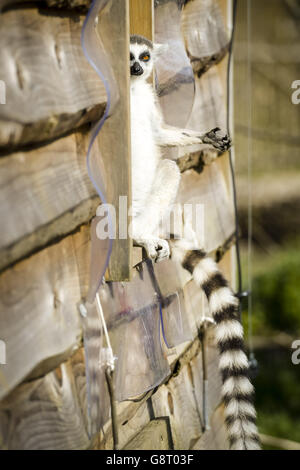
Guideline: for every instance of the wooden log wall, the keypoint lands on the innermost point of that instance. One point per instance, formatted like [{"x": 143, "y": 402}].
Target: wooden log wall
[{"x": 47, "y": 202}]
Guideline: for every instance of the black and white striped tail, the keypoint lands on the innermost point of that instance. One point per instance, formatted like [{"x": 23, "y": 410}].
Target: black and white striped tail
[{"x": 237, "y": 390}]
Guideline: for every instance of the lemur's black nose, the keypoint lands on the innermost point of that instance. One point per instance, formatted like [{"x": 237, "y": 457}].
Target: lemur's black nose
[{"x": 136, "y": 69}]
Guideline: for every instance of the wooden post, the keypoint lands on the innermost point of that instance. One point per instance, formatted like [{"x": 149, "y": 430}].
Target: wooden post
[
  {"x": 141, "y": 18},
  {"x": 141, "y": 15},
  {"x": 114, "y": 139}
]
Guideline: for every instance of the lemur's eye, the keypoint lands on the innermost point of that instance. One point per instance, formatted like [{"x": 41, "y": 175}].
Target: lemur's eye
[
  {"x": 131, "y": 56},
  {"x": 145, "y": 57}
]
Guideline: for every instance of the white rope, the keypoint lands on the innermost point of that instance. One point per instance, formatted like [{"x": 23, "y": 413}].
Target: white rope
[{"x": 109, "y": 359}]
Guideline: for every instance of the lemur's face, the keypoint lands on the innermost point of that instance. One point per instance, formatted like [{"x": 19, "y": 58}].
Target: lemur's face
[{"x": 141, "y": 60}]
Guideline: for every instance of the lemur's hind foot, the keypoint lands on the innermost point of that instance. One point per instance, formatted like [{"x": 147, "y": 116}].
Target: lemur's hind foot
[
  {"x": 217, "y": 139},
  {"x": 156, "y": 249}
]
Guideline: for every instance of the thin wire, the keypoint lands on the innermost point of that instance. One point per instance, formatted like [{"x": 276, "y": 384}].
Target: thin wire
[
  {"x": 236, "y": 215},
  {"x": 161, "y": 319},
  {"x": 240, "y": 293},
  {"x": 250, "y": 215},
  {"x": 202, "y": 337},
  {"x": 160, "y": 298}
]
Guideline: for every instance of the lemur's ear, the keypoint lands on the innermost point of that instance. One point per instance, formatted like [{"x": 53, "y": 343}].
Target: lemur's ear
[{"x": 160, "y": 49}]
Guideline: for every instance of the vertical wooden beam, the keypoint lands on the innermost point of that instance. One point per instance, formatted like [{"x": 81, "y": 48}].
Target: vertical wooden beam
[
  {"x": 141, "y": 13},
  {"x": 114, "y": 139},
  {"x": 141, "y": 18}
]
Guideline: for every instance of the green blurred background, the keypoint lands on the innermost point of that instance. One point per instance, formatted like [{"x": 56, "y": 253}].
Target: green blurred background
[{"x": 275, "y": 123}]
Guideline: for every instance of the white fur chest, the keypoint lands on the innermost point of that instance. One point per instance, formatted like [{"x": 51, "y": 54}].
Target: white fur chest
[{"x": 144, "y": 152}]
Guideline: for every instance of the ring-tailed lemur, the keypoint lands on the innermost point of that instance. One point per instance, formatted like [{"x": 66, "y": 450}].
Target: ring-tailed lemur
[{"x": 155, "y": 183}]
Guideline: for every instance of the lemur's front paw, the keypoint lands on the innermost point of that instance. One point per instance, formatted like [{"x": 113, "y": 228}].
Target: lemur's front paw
[
  {"x": 217, "y": 139},
  {"x": 157, "y": 249}
]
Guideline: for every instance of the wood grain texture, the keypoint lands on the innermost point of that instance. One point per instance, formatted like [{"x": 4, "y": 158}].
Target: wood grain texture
[
  {"x": 50, "y": 87},
  {"x": 28, "y": 347},
  {"x": 132, "y": 418},
  {"x": 196, "y": 305},
  {"x": 141, "y": 18},
  {"x": 40, "y": 294},
  {"x": 81, "y": 5},
  {"x": 208, "y": 111},
  {"x": 205, "y": 34},
  {"x": 78, "y": 5},
  {"x": 114, "y": 138},
  {"x": 208, "y": 193},
  {"x": 153, "y": 436},
  {"x": 39, "y": 320},
  {"x": 51, "y": 194},
  {"x": 44, "y": 194},
  {"x": 176, "y": 400},
  {"x": 209, "y": 105},
  {"x": 215, "y": 437},
  {"x": 181, "y": 397},
  {"x": 174, "y": 74},
  {"x": 48, "y": 413},
  {"x": 51, "y": 412}
]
